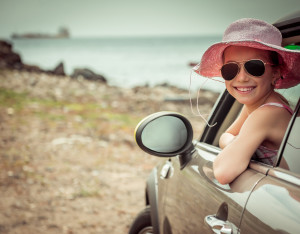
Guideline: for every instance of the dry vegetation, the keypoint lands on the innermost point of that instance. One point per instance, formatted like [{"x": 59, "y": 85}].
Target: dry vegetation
[{"x": 69, "y": 163}]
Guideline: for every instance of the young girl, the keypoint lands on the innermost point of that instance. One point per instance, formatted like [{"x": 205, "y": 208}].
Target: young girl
[{"x": 252, "y": 62}]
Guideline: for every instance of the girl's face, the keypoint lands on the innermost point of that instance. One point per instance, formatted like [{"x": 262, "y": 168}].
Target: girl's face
[{"x": 247, "y": 89}]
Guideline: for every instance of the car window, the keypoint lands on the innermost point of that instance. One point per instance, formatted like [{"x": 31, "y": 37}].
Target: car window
[
  {"x": 291, "y": 95},
  {"x": 291, "y": 152}
]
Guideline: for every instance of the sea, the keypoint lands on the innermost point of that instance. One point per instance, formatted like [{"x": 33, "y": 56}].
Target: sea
[{"x": 125, "y": 62}]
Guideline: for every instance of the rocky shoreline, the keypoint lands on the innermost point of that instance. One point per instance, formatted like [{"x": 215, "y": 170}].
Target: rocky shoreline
[{"x": 9, "y": 59}]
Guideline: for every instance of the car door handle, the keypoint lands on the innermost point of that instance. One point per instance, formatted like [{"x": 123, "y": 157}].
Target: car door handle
[{"x": 219, "y": 226}]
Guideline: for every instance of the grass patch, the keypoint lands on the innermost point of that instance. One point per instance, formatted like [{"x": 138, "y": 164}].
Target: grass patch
[
  {"x": 85, "y": 115},
  {"x": 122, "y": 119},
  {"x": 82, "y": 193},
  {"x": 50, "y": 116},
  {"x": 9, "y": 98}
]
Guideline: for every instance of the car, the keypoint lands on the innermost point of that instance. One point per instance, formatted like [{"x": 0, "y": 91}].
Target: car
[{"x": 182, "y": 194}]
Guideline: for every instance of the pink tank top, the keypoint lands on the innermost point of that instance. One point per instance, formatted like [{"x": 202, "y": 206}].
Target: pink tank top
[{"x": 264, "y": 154}]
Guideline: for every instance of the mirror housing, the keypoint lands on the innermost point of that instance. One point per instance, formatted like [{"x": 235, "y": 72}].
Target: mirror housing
[{"x": 165, "y": 134}]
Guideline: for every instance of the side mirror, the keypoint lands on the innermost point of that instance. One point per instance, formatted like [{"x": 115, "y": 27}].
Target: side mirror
[{"x": 165, "y": 134}]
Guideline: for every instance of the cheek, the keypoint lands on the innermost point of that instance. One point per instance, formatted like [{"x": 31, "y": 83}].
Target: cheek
[
  {"x": 267, "y": 80},
  {"x": 228, "y": 85},
  {"x": 271, "y": 74}
]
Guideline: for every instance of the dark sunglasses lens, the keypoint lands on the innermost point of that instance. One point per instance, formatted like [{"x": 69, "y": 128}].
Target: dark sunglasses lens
[
  {"x": 229, "y": 71},
  {"x": 255, "y": 67}
]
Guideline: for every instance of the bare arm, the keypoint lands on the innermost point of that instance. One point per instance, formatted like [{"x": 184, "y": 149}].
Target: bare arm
[{"x": 235, "y": 157}]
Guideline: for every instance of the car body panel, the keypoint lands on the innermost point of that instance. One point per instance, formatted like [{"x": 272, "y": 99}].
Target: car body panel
[
  {"x": 193, "y": 193},
  {"x": 274, "y": 206},
  {"x": 152, "y": 197}
]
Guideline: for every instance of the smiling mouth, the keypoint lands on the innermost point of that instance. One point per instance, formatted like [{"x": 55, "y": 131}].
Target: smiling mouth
[{"x": 244, "y": 89}]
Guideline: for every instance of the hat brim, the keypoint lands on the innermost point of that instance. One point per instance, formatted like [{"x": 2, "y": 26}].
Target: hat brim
[{"x": 212, "y": 61}]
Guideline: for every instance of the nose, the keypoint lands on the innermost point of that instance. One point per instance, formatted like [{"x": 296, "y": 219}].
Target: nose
[{"x": 242, "y": 76}]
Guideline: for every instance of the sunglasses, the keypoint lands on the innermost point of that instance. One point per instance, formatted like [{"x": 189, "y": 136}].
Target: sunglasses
[{"x": 254, "y": 67}]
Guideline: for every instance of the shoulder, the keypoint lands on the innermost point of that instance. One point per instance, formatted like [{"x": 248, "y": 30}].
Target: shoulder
[
  {"x": 273, "y": 108},
  {"x": 269, "y": 115}
]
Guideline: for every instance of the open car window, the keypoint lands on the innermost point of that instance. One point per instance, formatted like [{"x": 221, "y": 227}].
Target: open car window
[{"x": 291, "y": 94}]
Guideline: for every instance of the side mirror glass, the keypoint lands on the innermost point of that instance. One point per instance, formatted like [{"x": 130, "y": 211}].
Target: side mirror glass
[{"x": 164, "y": 134}]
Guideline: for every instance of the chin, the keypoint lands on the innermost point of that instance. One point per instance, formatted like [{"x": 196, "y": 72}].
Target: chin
[{"x": 247, "y": 101}]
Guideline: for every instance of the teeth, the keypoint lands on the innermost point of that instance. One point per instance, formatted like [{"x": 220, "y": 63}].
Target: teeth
[{"x": 244, "y": 89}]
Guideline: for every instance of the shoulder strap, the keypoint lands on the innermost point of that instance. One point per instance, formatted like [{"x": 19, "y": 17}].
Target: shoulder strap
[{"x": 289, "y": 109}]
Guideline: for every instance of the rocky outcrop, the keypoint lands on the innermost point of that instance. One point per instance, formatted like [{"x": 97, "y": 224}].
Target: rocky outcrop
[
  {"x": 8, "y": 58},
  {"x": 88, "y": 75},
  {"x": 11, "y": 60},
  {"x": 59, "y": 70}
]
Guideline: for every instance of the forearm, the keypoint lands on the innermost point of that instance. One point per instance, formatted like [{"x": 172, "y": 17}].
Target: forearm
[{"x": 231, "y": 162}]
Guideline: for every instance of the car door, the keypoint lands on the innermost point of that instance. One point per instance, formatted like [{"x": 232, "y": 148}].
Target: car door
[
  {"x": 196, "y": 203},
  {"x": 274, "y": 205}
]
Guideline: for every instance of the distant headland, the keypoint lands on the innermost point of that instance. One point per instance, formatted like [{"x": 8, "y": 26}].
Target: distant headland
[{"x": 62, "y": 33}]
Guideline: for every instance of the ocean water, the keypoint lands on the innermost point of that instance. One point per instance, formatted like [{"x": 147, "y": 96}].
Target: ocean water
[{"x": 124, "y": 62}]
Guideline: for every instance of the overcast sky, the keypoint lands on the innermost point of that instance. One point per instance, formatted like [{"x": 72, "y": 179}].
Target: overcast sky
[{"x": 98, "y": 18}]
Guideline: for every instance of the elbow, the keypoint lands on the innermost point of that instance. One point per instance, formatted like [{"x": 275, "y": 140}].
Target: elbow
[
  {"x": 222, "y": 178},
  {"x": 222, "y": 175},
  {"x": 225, "y": 139}
]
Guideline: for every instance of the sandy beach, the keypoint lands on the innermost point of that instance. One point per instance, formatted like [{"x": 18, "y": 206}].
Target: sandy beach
[{"x": 69, "y": 163}]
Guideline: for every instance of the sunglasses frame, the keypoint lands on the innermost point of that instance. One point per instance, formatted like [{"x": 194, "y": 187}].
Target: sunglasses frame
[{"x": 243, "y": 63}]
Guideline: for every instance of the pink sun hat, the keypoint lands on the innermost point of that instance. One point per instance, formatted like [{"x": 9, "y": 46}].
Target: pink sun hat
[{"x": 255, "y": 34}]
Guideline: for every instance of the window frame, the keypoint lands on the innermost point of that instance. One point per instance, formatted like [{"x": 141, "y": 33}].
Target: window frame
[{"x": 287, "y": 135}]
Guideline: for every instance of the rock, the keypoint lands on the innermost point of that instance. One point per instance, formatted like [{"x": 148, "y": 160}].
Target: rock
[
  {"x": 193, "y": 64},
  {"x": 8, "y": 58},
  {"x": 59, "y": 70},
  {"x": 5, "y": 47},
  {"x": 88, "y": 75},
  {"x": 11, "y": 60},
  {"x": 31, "y": 68}
]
